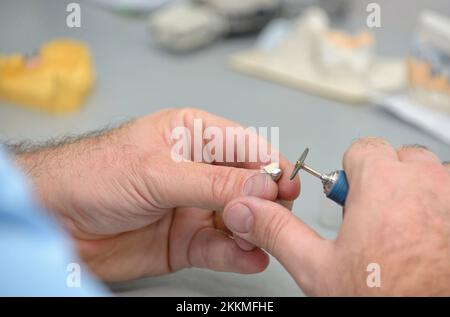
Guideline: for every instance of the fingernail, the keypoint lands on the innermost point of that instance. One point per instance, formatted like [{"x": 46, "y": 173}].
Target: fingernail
[
  {"x": 256, "y": 185},
  {"x": 238, "y": 218}
]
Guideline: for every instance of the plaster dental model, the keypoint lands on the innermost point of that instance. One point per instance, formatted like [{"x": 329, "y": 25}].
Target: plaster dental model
[
  {"x": 312, "y": 56},
  {"x": 185, "y": 27},
  {"x": 190, "y": 25},
  {"x": 429, "y": 65},
  {"x": 245, "y": 16},
  {"x": 132, "y": 6},
  {"x": 56, "y": 80},
  {"x": 341, "y": 53}
]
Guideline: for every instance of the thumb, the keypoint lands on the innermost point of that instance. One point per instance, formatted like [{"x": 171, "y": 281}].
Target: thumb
[
  {"x": 211, "y": 186},
  {"x": 274, "y": 228}
]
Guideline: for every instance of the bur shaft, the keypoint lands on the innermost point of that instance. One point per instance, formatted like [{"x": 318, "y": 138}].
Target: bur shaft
[{"x": 312, "y": 171}]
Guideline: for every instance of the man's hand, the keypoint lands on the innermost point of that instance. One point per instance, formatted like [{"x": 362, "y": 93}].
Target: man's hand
[
  {"x": 134, "y": 211},
  {"x": 397, "y": 215}
]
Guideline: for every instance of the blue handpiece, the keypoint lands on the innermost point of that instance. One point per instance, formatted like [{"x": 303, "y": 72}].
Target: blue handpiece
[
  {"x": 335, "y": 184},
  {"x": 338, "y": 187}
]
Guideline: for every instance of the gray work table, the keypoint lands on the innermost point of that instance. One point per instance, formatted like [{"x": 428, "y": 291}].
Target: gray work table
[{"x": 135, "y": 78}]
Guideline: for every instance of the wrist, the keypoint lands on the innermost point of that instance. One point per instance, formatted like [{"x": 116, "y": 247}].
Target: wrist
[
  {"x": 58, "y": 169},
  {"x": 43, "y": 175}
]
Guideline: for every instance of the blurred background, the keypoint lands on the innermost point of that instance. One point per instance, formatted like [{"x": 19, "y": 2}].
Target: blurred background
[{"x": 244, "y": 60}]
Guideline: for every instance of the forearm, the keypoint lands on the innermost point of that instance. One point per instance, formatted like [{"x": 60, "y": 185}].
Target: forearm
[{"x": 58, "y": 169}]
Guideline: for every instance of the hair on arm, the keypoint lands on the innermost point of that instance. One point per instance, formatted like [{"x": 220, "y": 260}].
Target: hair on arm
[{"x": 32, "y": 156}]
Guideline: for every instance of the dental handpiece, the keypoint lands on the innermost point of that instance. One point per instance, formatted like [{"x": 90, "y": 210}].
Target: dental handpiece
[{"x": 335, "y": 185}]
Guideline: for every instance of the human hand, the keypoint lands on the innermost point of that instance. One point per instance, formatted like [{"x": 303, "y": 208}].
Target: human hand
[
  {"x": 397, "y": 215},
  {"x": 134, "y": 211}
]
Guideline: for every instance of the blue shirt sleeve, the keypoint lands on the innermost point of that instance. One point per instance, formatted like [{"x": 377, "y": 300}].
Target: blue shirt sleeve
[{"x": 36, "y": 256}]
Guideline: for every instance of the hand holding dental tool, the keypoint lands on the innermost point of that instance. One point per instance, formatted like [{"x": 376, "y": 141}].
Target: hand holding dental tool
[{"x": 335, "y": 185}]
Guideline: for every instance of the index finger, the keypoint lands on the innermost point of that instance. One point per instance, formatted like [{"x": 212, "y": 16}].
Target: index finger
[
  {"x": 241, "y": 147},
  {"x": 367, "y": 150}
]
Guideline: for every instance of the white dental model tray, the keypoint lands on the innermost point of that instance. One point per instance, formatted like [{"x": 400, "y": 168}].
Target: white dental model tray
[{"x": 385, "y": 75}]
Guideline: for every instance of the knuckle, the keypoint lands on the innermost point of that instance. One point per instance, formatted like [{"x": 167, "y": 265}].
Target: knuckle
[
  {"x": 272, "y": 230},
  {"x": 187, "y": 116},
  {"x": 147, "y": 182},
  {"x": 356, "y": 147},
  {"x": 190, "y": 113},
  {"x": 364, "y": 143},
  {"x": 413, "y": 147},
  {"x": 226, "y": 184},
  {"x": 371, "y": 141}
]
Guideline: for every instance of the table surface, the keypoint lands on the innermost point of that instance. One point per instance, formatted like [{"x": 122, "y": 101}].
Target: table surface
[{"x": 136, "y": 78}]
